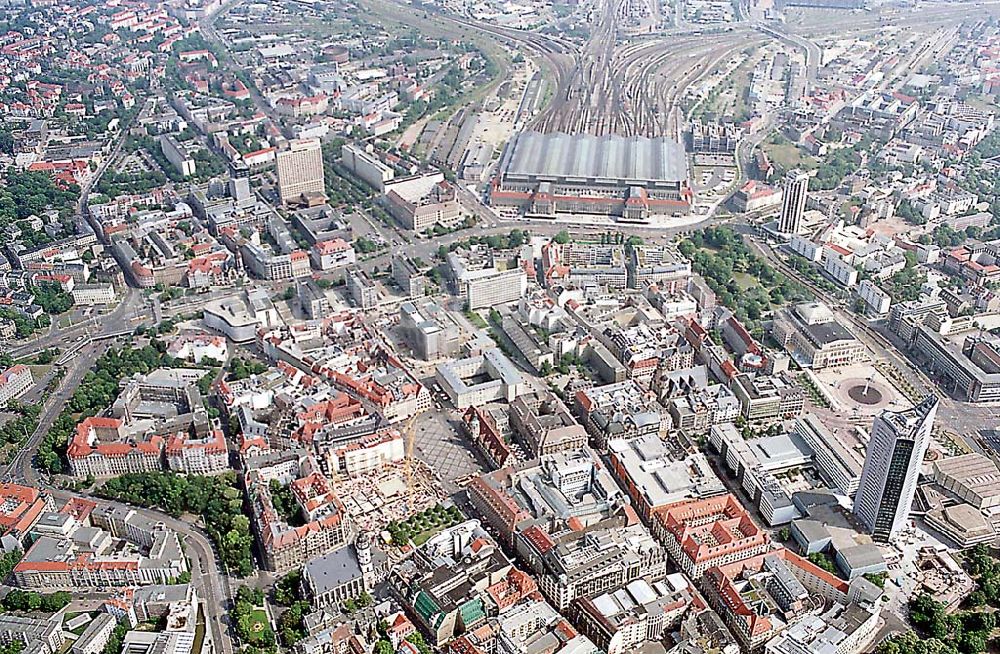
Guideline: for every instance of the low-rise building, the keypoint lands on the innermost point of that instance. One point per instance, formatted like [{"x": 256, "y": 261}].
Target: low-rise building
[
  {"x": 343, "y": 574},
  {"x": 842, "y": 629},
  {"x": 527, "y": 343},
  {"x": 704, "y": 533},
  {"x": 101, "y": 448},
  {"x": 332, "y": 253},
  {"x": 811, "y": 333},
  {"x": 756, "y": 196},
  {"x": 199, "y": 346},
  {"x": 755, "y": 463},
  {"x": 423, "y": 202},
  {"x": 544, "y": 425},
  {"x": 567, "y": 519},
  {"x": 92, "y": 294},
  {"x": 758, "y": 597},
  {"x": 657, "y": 473},
  {"x": 480, "y": 379}
]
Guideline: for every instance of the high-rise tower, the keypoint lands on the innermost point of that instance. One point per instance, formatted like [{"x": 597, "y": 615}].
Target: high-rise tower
[
  {"x": 793, "y": 203},
  {"x": 896, "y": 451}
]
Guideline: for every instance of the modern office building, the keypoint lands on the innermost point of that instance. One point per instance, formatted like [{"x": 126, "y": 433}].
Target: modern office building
[
  {"x": 177, "y": 155},
  {"x": 429, "y": 330},
  {"x": 311, "y": 299},
  {"x": 363, "y": 289},
  {"x": 364, "y": 164},
  {"x": 484, "y": 280},
  {"x": 896, "y": 450},
  {"x": 481, "y": 379},
  {"x": 407, "y": 276},
  {"x": 239, "y": 186},
  {"x": 793, "y": 203},
  {"x": 300, "y": 169}
]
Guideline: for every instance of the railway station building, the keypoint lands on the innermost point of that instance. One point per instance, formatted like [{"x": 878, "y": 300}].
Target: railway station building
[{"x": 632, "y": 179}]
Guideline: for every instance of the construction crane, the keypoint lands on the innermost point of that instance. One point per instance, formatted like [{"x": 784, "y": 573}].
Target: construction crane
[{"x": 411, "y": 438}]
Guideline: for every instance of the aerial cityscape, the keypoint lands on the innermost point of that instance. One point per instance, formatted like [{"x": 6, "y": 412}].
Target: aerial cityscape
[{"x": 481, "y": 327}]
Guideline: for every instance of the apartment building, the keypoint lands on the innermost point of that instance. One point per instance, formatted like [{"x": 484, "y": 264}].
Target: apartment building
[
  {"x": 36, "y": 635},
  {"x": 20, "y": 508},
  {"x": 96, "y": 557}
]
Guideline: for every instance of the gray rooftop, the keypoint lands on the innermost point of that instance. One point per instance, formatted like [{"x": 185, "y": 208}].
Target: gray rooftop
[
  {"x": 632, "y": 160},
  {"x": 333, "y": 570}
]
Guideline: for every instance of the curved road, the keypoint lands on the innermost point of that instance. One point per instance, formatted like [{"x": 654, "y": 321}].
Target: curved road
[{"x": 213, "y": 585}]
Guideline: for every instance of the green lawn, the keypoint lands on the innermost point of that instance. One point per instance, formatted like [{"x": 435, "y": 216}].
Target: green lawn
[
  {"x": 40, "y": 371},
  {"x": 79, "y": 630},
  {"x": 476, "y": 319},
  {"x": 787, "y": 156},
  {"x": 424, "y": 536},
  {"x": 745, "y": 281},
  {"x": 259, "y": 623}
]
